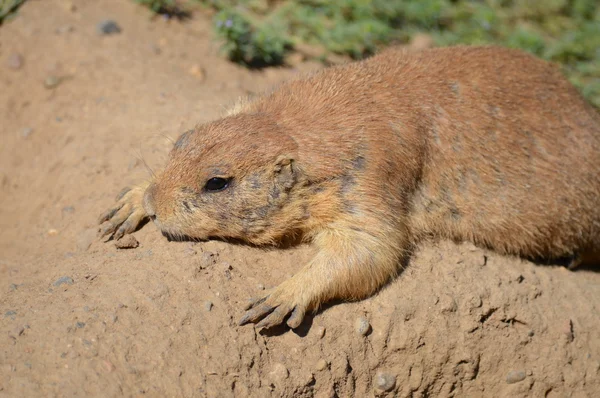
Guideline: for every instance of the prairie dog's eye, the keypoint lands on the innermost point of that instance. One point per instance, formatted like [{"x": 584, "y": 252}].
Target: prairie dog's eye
[{"x": 216, "y": 184}]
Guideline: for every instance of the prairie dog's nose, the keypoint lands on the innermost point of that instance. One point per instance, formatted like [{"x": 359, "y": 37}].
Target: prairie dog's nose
[{"x": 149, "y": 200}]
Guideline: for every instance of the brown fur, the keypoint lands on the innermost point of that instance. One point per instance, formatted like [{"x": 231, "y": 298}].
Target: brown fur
[{"x": 483, "y": 144}]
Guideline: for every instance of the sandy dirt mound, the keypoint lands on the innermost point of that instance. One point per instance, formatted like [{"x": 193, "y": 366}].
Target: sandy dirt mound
[{"x": 80, "y": 317}]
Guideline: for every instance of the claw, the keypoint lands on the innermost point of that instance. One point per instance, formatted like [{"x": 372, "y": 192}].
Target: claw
[
  {"x": 254, "y": 301},
  {"x": 274, "y": 318},
  {"x": 125, "y": 217},
  {"x": 107, "y": 228},
  {"x": 122, "y": 194},
  {"x": 297, "y": 317},
  {"x": 107, "y": 215},
  {"x": 256, "y": 313}
]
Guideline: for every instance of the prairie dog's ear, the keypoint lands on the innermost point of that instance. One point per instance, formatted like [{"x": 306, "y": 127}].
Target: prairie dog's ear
[{"x": 285, "y": 171}]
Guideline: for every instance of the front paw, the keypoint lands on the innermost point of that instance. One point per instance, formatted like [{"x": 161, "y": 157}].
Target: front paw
[
  {"x": 272, "y": 309},
  {"x": 126, "y": 215}
]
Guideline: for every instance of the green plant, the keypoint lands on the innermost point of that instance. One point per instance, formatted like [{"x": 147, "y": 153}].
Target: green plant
[
  {"x": 8, "y": 7},
  {"x": 261, "y": 32},
  {"x": 165, "y": 7}
]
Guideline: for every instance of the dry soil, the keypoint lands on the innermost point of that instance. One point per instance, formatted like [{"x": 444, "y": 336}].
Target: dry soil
[{"x": 85, "y": 114}]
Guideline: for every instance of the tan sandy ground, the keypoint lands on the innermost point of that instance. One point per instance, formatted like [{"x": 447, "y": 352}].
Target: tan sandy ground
[{"x": 160, "y": 320}]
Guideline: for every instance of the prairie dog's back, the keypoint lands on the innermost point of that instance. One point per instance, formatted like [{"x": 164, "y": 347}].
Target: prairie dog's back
[{"x": 509, "y": 152}]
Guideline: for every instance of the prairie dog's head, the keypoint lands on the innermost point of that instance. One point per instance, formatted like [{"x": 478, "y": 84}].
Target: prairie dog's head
[{"x": 232, "y": 178}]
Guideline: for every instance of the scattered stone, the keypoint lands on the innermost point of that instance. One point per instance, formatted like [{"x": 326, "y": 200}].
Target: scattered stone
[
  {"x": 321, "y": 365},
  {"x": 26, "y": 132},
  {"x": 14, "y": 286},
  {"x": 155, "y": 49},
  {"x": 260, "y": 286},
  {"x": 61, "y": 30},
  {"x": 207, "y": 259},
  {"x": 447, "y": 303},
  {"x": 384, "y": 381},
  {"x": 127, "y": 242},
  {"x": 208, "y": 305},
  {"x": 515, "y": 376},
  {"x": 108, "y": 27},
  {"x": 362, "y": 326},
  {"x": 278, "y": 374},
  {"x": 227, "y": 268},
  {"x": 80, "y": 325},
  {"x": 189, "y": 250},
  {"x": 52, "y": 232},
  {"x": 146, "y": 254},
  {"x": 10, "y": 314},
  {"x": 320, "y": 331},
  {"x": 15, "y": 61},
  {"x": 198, "y": 72},
  {"x": 108, "y": 366},
  {"x": 65, "y": 280},
  {"x": 68, "y": 209},
  {"x": 85, "y": 239},
  {"x": 52, "y": 81}
]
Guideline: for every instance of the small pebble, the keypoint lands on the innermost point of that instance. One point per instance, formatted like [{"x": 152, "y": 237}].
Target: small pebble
[
  {"x": 362, "y": 326},
  {"x": 108, "y": 27},
  {"x": 208, "y": 305},
  {"x": 189, "y": 250},
  {"x": 260, "y": 286},
  {"x": 52, "y": 232},
  {"x": 68, "y": 209},
  {"x": 64, "y": 29},
  {"x": 198, "y": 72},
  {"x": 515, "y": 376},
  {"x": 108, "y": 366},
  {"x": 384, "y": 381},
  {"x": 227, "y": 267},
  {"x": 64, "y": 280},
  {"x": 321, "y": 365},
  {"x": 80, "y": 325},
  {"x": 207, "y": 259},
  {"x": 26, "y": 132},
  {"x": 278, "y": 373},
  {"x": 320, "y": 332},
  {"x": 127, "y": 242},
  {"x": 52, "y": 81},
  {"x": 155, "y": 49},
  {"x": 10, "y": 314},
  {"x": 15, "y": 61}
]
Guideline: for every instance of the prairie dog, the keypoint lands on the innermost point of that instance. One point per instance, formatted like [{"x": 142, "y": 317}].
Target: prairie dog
[{"x": 480, "y": 144}]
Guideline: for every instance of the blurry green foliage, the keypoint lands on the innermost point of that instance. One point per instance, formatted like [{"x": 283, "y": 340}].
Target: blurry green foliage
[
  {"x": 8, "y": 7},
  {"x": 165, "y": 7},
  {"x": 261, "y": 32}
]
